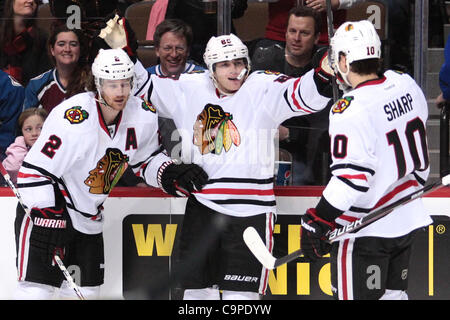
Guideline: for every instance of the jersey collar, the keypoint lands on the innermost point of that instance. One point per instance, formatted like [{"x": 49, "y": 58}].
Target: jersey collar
[
  {"x": 371, "y": 82},
  {"x": 102, "y": 121}
]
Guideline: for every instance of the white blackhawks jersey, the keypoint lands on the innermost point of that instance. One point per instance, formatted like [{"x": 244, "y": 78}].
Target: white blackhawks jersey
[
  {"x": 379, "y": 154},
  {"x": 81, "y": 155},
  {"x": 232, "y": 137}
]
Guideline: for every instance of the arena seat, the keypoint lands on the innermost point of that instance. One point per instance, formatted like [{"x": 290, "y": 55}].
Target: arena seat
[
  {"x": 252, "y": 24},
  {"x": 137, "y": 15},
  {"x": 44, "y": 17},
  {"x": 147, "y": 55}
]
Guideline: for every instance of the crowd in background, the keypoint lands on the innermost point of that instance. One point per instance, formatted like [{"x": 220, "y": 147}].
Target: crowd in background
[{"x": 46, "y": 68}]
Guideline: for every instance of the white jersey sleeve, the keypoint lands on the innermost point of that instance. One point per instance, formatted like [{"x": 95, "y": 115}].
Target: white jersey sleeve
[
  {"x": 284, "y": 97},
  {"x": 354, "y": 156}
]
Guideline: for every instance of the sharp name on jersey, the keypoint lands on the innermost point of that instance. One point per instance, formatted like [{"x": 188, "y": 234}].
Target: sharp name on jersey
[{"x": 379, "y": 153}]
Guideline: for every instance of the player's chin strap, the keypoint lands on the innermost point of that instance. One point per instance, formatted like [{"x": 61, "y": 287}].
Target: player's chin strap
[{"x": 98, "y": 97}]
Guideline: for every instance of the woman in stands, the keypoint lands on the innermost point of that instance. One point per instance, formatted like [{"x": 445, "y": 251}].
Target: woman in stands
[
  {"x": 68, "y": 52},
  {"x": 22, "y": 43}
]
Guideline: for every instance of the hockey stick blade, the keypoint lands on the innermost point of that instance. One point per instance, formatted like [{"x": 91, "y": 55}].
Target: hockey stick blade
[{"x": 259, "y": 250}]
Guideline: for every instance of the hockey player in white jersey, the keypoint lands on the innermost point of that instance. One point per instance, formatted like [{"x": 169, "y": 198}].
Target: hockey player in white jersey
[
  {"x": 379, "y": 154},
  {"x": 85, "y": 145},
  {"x": 228, "y": 120}
]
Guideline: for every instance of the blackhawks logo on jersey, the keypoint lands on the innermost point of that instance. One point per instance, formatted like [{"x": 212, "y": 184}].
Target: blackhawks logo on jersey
[
  {"x": 108, "y": 171},
  {"x": 76, "y": 115},
  {"x": 214, "y": 130},
  {"x": 342, "y": 104},
  {"x": 148, "y": 106}
]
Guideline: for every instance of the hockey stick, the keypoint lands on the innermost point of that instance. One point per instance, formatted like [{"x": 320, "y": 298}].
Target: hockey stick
[
  {"x": 330, "y": 35},
  {"x": 259, "y": 250},
  {"x": 27, "y": 212}
]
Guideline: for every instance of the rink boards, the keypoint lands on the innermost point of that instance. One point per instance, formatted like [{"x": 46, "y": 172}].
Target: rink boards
[{"x": 142, "y": 225}]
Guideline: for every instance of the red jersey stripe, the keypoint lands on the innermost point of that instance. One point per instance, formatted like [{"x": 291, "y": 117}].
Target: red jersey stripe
[
  {"x": 28, "y": 175},
  {"x": 395, "y": 191},
  {"x": 258, "y": 192},
  {"x": 354, "y": 176},
  {"x": 296, "y": 103}
]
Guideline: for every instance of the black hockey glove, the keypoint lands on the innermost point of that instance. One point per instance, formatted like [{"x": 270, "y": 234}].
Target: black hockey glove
[
  {"x": 49, "y": 232},
  {"x": 181, "y": 179},
  {"x": 313, "y": 238},
  {"x": 323, "y": 73}
]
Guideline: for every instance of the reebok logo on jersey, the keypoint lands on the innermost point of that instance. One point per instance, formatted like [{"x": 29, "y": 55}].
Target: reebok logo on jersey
[
  {"x": 342, "y": 104},
  {"x": 76, "y": 115},
  {"x": 50, "y": 223}
]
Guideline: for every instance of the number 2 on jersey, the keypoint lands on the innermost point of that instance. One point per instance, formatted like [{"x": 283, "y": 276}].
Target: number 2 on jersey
[{"x": 51, "y": 146}]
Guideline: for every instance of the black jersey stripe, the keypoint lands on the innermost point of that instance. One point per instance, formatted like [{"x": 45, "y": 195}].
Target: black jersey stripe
[
  {"x": 34, "y": 184},
  {"x": 285, "y": 95},
  {"x": 352, "y": 185},
  {"x": 240, "y": 180},
  {"x": 419, "y": 179},
  {"x": 353, "y": 167},
  {"x": 61, "y": 182},
  {"x": 138, "y": 91},
  {"x": 246, "y": 201},
  {"x": 41, "y": 171},
  {"x": 359, "y": 209}
]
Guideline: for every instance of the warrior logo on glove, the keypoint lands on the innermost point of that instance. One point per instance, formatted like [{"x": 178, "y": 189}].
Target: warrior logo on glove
[
  {"x": 108, "y": 171},
  {"x": 214, "y": 130}
]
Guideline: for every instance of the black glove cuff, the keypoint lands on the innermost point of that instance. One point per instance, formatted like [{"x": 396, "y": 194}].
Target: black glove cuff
[
  {"x": 160, "y": 173},
  {"x": 326, "y": 211}
]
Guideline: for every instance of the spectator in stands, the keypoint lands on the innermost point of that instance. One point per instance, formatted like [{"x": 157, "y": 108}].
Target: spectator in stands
[
  {"x": 444, "y": 77},
  {"x": 11, "y": 100},
  {"x": 68, "y": 52},
  {"x": 278, "y": 14},
  {"x": 299, "y": 135},
  {"x": 30, "y": 125},
  {"x": 173, "y": 40},
  {"x": 203, "y": 24},
  {"x": 22, "y": 43},
  {"x": 301, "y": 38}
]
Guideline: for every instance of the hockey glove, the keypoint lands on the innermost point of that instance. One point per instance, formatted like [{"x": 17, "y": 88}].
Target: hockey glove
[
  {"x": 181, "y": 179},
  {"x": 313, "y": 239},
  {"x": 323, "y": 73},
  {"x": 48, "y": 234},
  {"x": 118, "y": 34}
]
